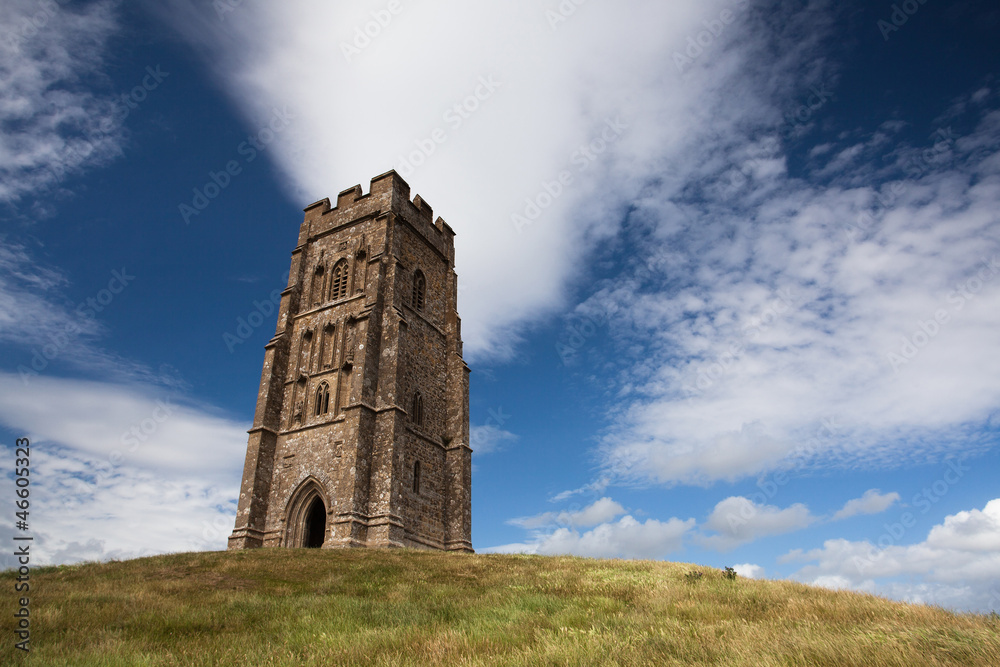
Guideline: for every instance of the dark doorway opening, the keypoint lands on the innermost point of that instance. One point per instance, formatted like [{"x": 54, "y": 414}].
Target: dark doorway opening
[{"x": 315, "y": 524}]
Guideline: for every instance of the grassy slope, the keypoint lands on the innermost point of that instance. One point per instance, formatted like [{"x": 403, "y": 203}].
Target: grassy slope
[{"x": 311, "y": 607}]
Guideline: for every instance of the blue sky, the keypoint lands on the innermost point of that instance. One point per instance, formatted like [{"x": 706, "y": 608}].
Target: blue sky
[{"x": 729, "y": 270}]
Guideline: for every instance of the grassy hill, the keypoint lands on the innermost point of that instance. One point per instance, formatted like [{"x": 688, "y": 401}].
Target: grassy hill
[{"x": 311, "y": 607}]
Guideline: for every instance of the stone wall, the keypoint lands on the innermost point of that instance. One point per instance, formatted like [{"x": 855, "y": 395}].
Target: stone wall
[{"x": 334, "y": 416}]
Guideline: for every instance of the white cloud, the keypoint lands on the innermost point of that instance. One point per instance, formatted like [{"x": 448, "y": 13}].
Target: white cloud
[
  {"x": 749, "y": 570},
  {"x": 489, "y": 438},
  {"x": 737, "y": 520},
  {"x": 553, "y": 92},
  {"x": 597, "y": 486},
  {"x": 872, "y": 502},
  {"x": 867, "y": 301},
  {"x": 625, "y": 538},
  {"x": 122, "y": 470},
  {"x": 145, "y": 425},
  {"x": 55, "y": 123},
  {"x": 607, "y": 538},
  {"x": 513, "y": 548},
  {"x": 599, "y": 511},
  {"x": 969, "y": 531},
  {"x": 957, "y": 565}
]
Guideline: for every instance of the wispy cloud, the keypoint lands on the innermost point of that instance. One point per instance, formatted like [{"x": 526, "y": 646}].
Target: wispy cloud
[
  {"x": 55, "y": 120},
  {"x": 36, "y": 317},
  {"x": 894, "y": 288},
  {"x": 872, "y": 502},
  {"x": 600, "y": 511}
]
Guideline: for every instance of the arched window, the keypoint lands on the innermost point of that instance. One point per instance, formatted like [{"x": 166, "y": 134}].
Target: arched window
[
  {"x": 338, "y": 281},
  {"x": 417, "y": 411},
  {"x": 416, "y": 477},
  {"x": 322, "y": 399},
  {"x": 419, "y": 290},
  {"x": 317, "y": 287}
]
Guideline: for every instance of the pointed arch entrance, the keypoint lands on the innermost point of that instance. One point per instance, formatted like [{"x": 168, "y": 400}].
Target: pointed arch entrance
[
  {"x": 306, "y": 524},
  {"x": 315, "y": 525}
]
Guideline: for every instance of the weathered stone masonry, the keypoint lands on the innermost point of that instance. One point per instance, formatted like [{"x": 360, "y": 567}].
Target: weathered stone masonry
[{"x": 361, "y": 433}]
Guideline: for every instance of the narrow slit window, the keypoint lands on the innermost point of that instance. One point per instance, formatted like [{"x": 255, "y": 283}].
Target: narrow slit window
[
  {"x": 417, "y": 409},
  {"x": 416, "y": 477},
  {"x": 419, "y": 290},
  {"x": 317, "y": 289}
]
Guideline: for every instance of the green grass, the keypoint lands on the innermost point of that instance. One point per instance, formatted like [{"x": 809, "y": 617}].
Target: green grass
[{"x": 358, "y": 607}]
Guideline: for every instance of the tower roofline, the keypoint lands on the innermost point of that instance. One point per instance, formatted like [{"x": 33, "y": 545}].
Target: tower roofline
[{"x": 390, "y": 186}]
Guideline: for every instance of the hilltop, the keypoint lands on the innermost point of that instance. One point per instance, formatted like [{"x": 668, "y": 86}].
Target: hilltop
[{"x": 355, "y": 607}]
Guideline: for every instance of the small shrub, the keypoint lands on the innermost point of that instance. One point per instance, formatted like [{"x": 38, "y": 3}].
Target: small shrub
[
  {"x": 730, "y": 573},
  {"x": 694, "y": 575}
]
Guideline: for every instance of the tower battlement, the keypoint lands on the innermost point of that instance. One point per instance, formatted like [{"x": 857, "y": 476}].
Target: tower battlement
[
  {"x": 386, "y": 192},
  {"x": 361, "y": 433}
]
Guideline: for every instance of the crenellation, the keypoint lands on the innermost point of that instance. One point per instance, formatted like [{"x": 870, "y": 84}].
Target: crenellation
[
  {"x": 424, "y": 209},
  {"x": 347, "y": 197}
]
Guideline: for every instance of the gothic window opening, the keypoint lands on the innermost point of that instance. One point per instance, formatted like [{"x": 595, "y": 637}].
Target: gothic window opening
[
  {"x": 322, "y": 399},
  {"x": 417, "y": 409},
  {"x": 338, "y": 282},
  {"x": 419, "y": 290},
  {"x": 416, "y": 477}
]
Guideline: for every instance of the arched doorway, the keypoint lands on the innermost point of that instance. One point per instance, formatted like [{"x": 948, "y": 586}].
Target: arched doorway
[
  {"x": 305, "y": 523},
  {"x": 315, "y": 525}
]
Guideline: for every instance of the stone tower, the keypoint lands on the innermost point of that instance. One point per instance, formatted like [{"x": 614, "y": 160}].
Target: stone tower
[{"x": 361, "y": 433}]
